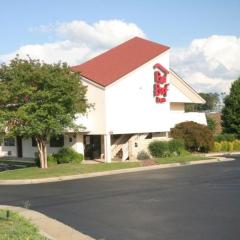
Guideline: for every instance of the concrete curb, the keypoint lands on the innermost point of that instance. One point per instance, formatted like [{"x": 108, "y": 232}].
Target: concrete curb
[
  {"x": 49, "y": 227},
  {"x": 113, "y": 172}
]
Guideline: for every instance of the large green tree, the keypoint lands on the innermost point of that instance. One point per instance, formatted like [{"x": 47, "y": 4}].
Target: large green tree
[
  {"x": 231, "y": 110},
  {"x": 39, "y": 100}
]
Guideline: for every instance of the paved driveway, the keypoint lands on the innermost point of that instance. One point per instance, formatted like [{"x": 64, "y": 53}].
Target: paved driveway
[{"x": 188, "y": 203}]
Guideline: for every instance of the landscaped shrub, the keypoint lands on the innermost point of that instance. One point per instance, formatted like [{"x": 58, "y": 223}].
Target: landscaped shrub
[
  {"x": 173, "y": 147},
  {"x": 197, "y": 137},
  {"x": 50, "y": 159},
  {"x": 159, "y": 149},
  {"x": 226, "y": 146},
  {"x": 225, "y": 137},
  {"x": 176, "y": 146},
  {"x": 142, "y": 155},
  {"x": 68, "y": 155},
  {"x": 236, "y": 145},
  {"x": 211, "y": 124},
  {"x": 217, "y": 147}
]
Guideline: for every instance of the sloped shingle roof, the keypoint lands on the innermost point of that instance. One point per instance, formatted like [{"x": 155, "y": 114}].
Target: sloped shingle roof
[{"x": 119, "y": 61}]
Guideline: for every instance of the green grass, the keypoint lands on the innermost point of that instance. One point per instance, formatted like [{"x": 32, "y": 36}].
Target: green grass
[
  {"x": 63, "y": 170},
  {"x": 17, "y": 228},
  {"x": 180, "y": 159}
]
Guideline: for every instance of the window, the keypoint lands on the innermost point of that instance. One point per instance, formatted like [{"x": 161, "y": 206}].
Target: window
[
  {"x": 57, "y": 141},
  {"x": 149, "y": 136},
  {"x": 34, "y": 142},
  {"x": 9, "y": 142}
]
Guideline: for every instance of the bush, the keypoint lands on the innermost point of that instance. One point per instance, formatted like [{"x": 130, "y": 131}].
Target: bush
[
  {"x": 217, "y": 147},
  {"x": 142, "y": 155},
  {"x": 159, "y": 149},
  {"x": 197, "y": 137},
  {"x": 68, "y": 155},
  {"x": 225, "y": 137},
  {"x": 236, "y": 145},
  {"x": 50, "y": 159},
  {"x": 176, "y": 145},
  {"x": 211, "y": 124}
]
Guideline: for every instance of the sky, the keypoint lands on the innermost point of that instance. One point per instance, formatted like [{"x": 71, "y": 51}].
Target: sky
[{"x": 204, "y": 36}]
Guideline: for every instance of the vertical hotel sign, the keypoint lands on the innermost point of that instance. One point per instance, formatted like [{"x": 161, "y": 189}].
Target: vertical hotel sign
[{"x": 160, "y": 87}]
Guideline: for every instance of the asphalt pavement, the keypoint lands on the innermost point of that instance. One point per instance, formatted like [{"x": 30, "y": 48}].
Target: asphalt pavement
[{"x": 198, "y": 202}]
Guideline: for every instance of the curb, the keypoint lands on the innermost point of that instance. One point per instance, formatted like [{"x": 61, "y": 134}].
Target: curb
[
  {"x": 49, "y": 227},
  {"x": 113, "y": 172}
]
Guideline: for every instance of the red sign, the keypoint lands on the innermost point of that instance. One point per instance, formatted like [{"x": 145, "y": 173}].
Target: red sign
[{"x": 160, "y": 87}]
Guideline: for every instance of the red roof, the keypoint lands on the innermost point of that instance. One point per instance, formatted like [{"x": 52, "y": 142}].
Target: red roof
[{"x": 119, "y": 61}]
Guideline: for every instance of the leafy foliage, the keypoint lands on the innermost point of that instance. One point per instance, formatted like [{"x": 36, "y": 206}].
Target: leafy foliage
[
  {"x": 231, "y": 110},
  {"x": 226, "y": 146},
  {"x": 211, "y": 124},
  {"x": 68, "y": 155},
  {"x": 211, "y": 102},
  {"x": 39, "y": 100},
  {"x": 142, "y": 155},
  {"x": 225, "y": 137},
  {"x": 159, "y": 149},
  {"x": 174, "y": 147},
  {"x": 197, "y": 137}
]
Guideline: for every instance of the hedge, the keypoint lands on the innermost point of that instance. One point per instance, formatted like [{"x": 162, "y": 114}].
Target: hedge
[
  {"x": 165, "y": 149},
  {"x": 226, "y": 146}
]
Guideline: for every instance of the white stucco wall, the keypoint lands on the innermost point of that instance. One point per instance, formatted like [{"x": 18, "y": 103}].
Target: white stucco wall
[
  {"x": 76, "y": 144},
  {"x": 4, "y": 151},
  {"x": 130, "y": 104},
  {"x": 96, "y": 116}
]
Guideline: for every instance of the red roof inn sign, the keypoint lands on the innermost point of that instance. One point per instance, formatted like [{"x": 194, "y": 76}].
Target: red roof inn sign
[{"x": 160, "y": 87}]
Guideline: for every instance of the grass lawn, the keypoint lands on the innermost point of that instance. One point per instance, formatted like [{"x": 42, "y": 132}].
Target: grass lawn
[
  {"x": 57, "y": 170},
  {"x": 17, "y": 228},
  {"x": 180, "y": 159},
  {"x": 64, "y": 170}
]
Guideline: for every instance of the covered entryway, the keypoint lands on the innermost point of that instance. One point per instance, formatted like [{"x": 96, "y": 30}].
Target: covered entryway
[{"x": 92, "y": 147}]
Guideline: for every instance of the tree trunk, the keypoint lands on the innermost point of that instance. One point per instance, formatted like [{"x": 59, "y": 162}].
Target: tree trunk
[{"x": 42, "y": 150}]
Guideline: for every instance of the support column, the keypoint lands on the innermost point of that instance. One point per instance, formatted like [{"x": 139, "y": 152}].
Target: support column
[{"x": 107, "y": 148}]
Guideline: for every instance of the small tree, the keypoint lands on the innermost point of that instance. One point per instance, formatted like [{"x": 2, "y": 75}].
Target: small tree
[
  {"x": 197, "y": 137},
  {"x": 211, "y": 124},
  {"x": 231, "y": 110},
  {"x": 39, "y": 100}
]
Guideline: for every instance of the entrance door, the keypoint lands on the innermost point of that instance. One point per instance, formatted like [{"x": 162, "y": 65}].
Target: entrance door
[
  {"x": 92, "y": 145},
  {"x": 19, "y": 146}
]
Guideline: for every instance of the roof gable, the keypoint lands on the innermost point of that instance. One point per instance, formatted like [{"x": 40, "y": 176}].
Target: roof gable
[
  {"x": 185, "y": 88},
  {"x": 119, "y": 61}
]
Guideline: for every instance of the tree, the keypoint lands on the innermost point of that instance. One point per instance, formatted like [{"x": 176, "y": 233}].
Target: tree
[
  {"x": 39, "y": 100},
  {"x": 231, "y": 110},
  {"x": 211, "y": 124},
  {"x": 211, "y": 99},
  {"x": 197, "y": 137}
]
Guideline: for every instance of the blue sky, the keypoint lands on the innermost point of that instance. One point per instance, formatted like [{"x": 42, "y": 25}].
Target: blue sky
[
  {"x": 204, "y": 36},
  {"x": 174, "y": 23}
]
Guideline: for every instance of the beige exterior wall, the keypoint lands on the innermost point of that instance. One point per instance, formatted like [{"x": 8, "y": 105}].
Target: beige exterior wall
[
  {"x": 95, "y": 115},
  {"x": 178, "y": 107},
  {"x": 139, "y": 143},
  {"x": 29, "y": 151}
]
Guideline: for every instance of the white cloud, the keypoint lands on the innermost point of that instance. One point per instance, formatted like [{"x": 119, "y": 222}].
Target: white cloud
[
  {"x": 209, "y": 64},
  {"x": 78, "y": 41}
]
